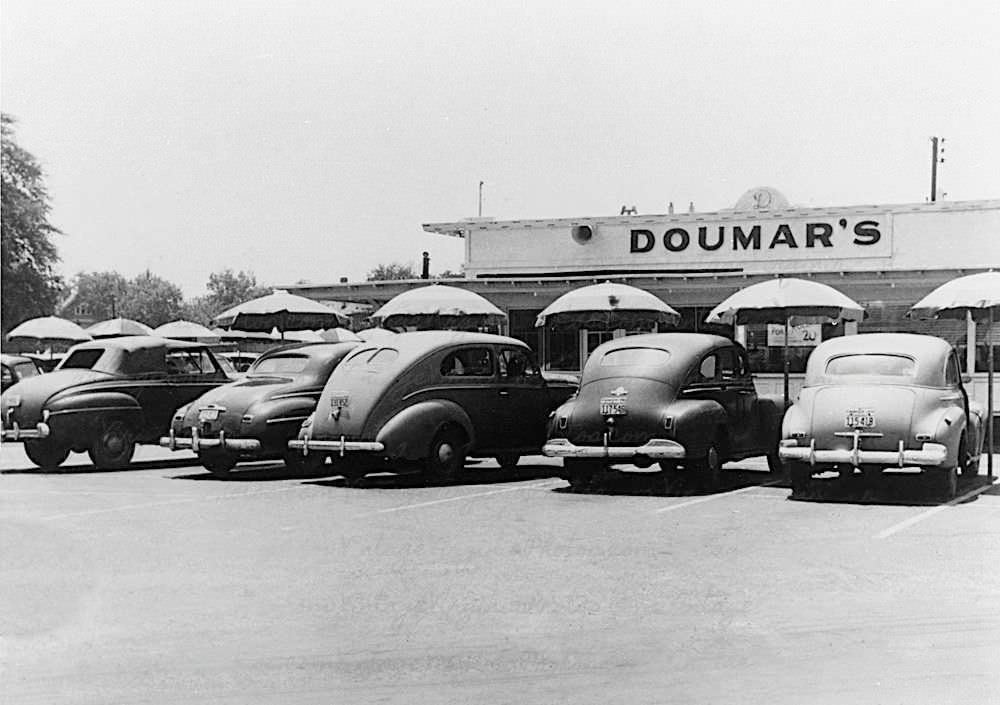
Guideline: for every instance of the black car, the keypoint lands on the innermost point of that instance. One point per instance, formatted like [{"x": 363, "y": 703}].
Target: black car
[
  {"x": 106, "y": 396},
  {"x": 15, "y": 368},
  {"x": 254, "y": 419}
]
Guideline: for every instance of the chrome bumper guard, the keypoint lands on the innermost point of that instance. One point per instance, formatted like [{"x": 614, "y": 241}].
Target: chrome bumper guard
[
  {"x": 656, "y": 449},
  {"x": 196, "y": 442},
  {"x": 340, "y": 447},
  {"x": 931, "y": 454},
  {"x": 16, "y": 433}
]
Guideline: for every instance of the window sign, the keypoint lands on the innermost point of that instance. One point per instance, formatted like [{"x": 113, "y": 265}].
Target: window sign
[{"x": 806, "y": 335}]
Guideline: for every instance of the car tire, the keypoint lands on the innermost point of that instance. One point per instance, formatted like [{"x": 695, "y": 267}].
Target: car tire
[
  {"x": 219, "y": 464},
  {"x": 581, "y": 474},
  {"x": 709, "y": 467},
  {"x": 800, "y": 476},
  {"x": 673, "y": 478},
  {"x": 968, "y": 466},
  {"x": 445, "y": 457},
  {"x": 114, "y": 446},
  {"x": 775, "y": 466},
  {"x": 507, "y": 461},
  {"x": 946, "y": 482},
  {"x": 45, "y": 454}
]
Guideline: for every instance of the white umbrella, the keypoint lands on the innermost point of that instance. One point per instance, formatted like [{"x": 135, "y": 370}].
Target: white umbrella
[
  {"x": 608, "y": 306},
  {"x": 280, "y": 310},
  {"x": 49, "y": 328},
  {"x": 118, "y": 327},
  {"x": 186, "y": 330},
  {"x": 438, "y": 306},
  {"x": 297, "y": 336},
  {"x": 778, "y": 300},
  {"x": 978, "y": 295},
  {"x": 338, "y": 335}
]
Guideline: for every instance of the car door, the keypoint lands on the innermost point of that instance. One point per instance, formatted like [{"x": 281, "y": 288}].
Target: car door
[
  {"x": 715, "y": 379},
  {"x": 745, "y": 417},
  {"x": 522, "y": 400},
  {"x": 468, "y": 375}
]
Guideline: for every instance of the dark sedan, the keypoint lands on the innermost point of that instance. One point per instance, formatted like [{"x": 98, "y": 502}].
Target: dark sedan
[
  {"x": 254, "y": 419},
  {"x": 426, "y": 400},
  {"x": 680, "y": 403},
  {"x": 105, "y": 397},
  {"x": 15, "y": 368}
]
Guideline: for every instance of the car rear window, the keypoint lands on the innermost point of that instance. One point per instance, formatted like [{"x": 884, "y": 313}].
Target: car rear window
[
  {"x": 82, "y": 359},
  {"x": 635, "y": 357},
  {"x": 279, "y": 364},
  {"x": 871, "y": 364}
]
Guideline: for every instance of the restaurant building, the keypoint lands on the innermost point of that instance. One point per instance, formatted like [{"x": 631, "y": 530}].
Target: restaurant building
[{"x": 885, "y": 257}]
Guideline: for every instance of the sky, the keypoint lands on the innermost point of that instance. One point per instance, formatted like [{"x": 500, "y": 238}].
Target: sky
[{"x": 310, "y": 140}]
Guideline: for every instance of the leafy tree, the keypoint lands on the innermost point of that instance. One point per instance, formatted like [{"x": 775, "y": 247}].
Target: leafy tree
[
  {"x": 100, "y": 294},
  {"x": 30, "y": 285},
  {"x": 199, "y": 310},
  {"x": 394, "y": 270},
  {"x": 227, "y": 289},
  {"x": 152, "y": 300}
]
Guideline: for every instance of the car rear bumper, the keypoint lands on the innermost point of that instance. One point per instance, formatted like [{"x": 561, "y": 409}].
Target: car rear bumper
[
  {"x": 16, "y": 433},
  {"x": 196, "y": 442},
  {"x": 655, "y": 449},
  {"x": 929, "y": 455},
  {"x": 342, "y": 446}
]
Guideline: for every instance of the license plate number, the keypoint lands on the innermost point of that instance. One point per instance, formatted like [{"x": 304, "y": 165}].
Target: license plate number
[
  {"x": 612, "y": 407},
  {"x": 339, "y": 401},
  {"x": 860, "y": 418},
  {"x": 208, "y": 414}
]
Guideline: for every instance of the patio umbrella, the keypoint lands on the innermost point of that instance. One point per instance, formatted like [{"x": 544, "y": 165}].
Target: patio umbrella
[
  {"x": 118, "y": 327},
  {"x": 976, "y": 295},
  {"x": 607, "y": 306},
  {"x": 437, "y": 307},
  {"x": 338, "y": 335},
  {"x": 186, "y": 330},
  {"x": 778, "y": 300},
  {"x": 280, "y": 310},
  {"x": 371, "y": 335},
  {"x": 48, "y": 330},
  {"x": 297, "y": 336}
]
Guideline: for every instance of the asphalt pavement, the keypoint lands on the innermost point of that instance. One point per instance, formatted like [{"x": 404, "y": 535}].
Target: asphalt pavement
[{"x": 162, "y": 584}]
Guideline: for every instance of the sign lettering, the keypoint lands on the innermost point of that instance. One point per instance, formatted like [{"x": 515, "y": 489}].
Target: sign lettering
[{"x": 777, "y": 237}]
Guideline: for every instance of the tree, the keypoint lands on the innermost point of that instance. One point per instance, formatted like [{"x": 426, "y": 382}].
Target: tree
[
  {"x": 152, "y": 300},
  {"x": 30, "y": 284},
  {"x": 386, "y": 272},
  {"x": 100, "y": 294},
  {"x": 226, "y": 289}
]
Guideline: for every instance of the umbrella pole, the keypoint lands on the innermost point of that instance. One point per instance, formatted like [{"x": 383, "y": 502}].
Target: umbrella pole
[
  {"x": 785, "y": 364},
  {"x": 989, "y": 393}
]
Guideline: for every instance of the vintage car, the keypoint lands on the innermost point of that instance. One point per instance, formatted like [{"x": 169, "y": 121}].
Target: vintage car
[
  {"x": 15, "y": 368},
  {"x": 882, "y": 400},
  {"x": 678, "y": 403},
  {"x": 426, "y": 400},
  {"x": 106, "y": 396},
  {"x": 256, "y": 417}
]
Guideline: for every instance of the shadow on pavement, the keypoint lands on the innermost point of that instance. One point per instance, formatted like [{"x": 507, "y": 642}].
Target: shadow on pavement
[
  {"x": 895, "y": 489},
  {"x": 385, "y": 479},
  {"x": 82, "y": 469},
  {"x": 661, "y": 485},
  {"x": 268, "y": 471}
]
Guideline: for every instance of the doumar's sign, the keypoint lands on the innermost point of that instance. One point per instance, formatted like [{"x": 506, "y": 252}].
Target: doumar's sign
[{"x": 773, "y": 238}]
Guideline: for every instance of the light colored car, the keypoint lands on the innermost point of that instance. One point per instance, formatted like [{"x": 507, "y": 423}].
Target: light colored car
[{"x": 883, "y": 400}]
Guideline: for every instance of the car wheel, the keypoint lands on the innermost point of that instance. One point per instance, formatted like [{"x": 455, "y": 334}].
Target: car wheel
[
  {"x": 580, "y": 474},
  {"x": 774, "y": 464},
  {"x": 508, "y": 461},
  {"x": 673, "y": 478},
  {"x": 219, "y": 464},
  {"x": 946, "y": 479},
  {"x": 299, "y": 464},
  {"x": 800, "y": 475},
  {"x": 968, "y": 465},
  {"x": 113, "y": 447},
  {"x": 46, "y": 455},
  {"x": 709, "y": 467},
  {"x": 446, "y": 456}
]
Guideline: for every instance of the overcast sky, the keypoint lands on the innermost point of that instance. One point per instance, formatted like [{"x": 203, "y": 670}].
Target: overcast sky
[{"x": 310, "y": 140}]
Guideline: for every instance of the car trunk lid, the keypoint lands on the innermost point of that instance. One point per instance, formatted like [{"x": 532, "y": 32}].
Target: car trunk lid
[
  {"x": 636, "y": 406},
  {"x": 870, "y": 409}
]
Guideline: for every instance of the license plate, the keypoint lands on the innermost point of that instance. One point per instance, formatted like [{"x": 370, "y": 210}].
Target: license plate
[
  {"x": 339, "y": 401},
  {"x": 612, "y": 407},
  {"x": 860, "y": 418},
  {"x": 208, "y": 414}
]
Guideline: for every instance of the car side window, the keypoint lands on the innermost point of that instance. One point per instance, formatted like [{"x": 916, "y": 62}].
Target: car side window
[
  {"x": 728, "y": 363},
  {"x": 707, "y": 369},
  {"x": 516, "y": 365},
  {"x": 952, "y": 373},
  {"x": 189, "y": 362},
  {"x": 468, "y": 362}
]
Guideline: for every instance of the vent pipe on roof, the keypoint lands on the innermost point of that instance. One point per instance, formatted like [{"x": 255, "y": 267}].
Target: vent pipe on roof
[{"x": 426, "y": 271}]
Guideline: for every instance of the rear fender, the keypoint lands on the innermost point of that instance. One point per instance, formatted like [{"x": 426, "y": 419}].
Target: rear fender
[
  {"x": 408, "y": 434},
  {"x": 697, "y": 422}
]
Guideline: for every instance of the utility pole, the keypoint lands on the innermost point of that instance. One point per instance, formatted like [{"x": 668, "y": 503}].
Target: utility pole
[
  {"x": 934, "y": 162},
  {"x": 480, "y": 199}
]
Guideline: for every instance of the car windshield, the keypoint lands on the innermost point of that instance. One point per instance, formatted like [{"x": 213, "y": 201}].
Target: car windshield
[
  {"x": 279, "y": 364},
  {"x": 635, "y": 357},
  {"x": 871, "y": 364},
  {"x": 82, "y": 359}
]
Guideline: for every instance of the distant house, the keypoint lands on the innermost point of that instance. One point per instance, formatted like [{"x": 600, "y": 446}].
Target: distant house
[{"x": 74, "y": 309}]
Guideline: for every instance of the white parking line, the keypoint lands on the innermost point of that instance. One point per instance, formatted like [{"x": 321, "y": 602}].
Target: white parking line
[
  {"x": 537, "y": 485},
  {"x": 709, "y": 498},
  {"x": 896, "y": 528},
  {"x": 145, "y": 505}
]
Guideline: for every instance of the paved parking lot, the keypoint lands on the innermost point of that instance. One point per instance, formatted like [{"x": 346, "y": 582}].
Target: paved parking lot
[{"x": 162, "y": 584}]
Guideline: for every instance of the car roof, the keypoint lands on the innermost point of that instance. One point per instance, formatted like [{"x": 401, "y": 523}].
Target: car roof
[
  {"x": 677, "y": 343},
  {"x": 425, "y": 341},
  {"x": 132, "y": 343},
  {"x": 314, "y": 349},
  {"x": 928, "y": 351}
]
